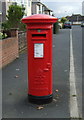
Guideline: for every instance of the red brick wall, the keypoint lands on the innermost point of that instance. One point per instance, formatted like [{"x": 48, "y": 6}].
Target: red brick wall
[{"x": 8, "y": 50}]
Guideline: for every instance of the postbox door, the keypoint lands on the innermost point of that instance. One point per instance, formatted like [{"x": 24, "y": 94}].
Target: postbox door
[{"x": 40, "y": 58}]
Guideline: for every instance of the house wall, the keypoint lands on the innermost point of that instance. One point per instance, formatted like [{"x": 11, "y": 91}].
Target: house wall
[
  {"x": 37, "y": 9},
  {"x": 3, "y": 11},
  {"x": 46, "y": 12},
  {"x": 34, "y": 8},
  {"x": 0, "y": 11},
  {"x": 41, "y": 10},
  {"x": 29, "y": 7},
  {"x": 75, "y": 18}
]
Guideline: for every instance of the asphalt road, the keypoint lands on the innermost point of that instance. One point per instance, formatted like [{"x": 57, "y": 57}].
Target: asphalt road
[{"x": 14, "y": 84}]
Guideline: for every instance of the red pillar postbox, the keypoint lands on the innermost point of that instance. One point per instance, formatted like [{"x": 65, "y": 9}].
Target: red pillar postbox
[{"x": 39, "y": 39}]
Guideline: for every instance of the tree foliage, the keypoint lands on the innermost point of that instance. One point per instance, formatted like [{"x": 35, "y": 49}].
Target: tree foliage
[
  {"x": 63, "y": 19},
  {"x": 15, "y": 14}
]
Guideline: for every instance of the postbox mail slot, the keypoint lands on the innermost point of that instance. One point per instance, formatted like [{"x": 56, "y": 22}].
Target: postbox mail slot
[{"x": 38, "y": 36}]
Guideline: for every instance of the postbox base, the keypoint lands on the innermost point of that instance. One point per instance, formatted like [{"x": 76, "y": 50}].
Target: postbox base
[{"x": 40, "y": 99}]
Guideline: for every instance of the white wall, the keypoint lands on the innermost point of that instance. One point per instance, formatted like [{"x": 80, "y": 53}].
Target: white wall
[
  {"x": 37, "y": 9},
  {"x": 29, "y": 7},
  {"x": 76, "y": 23}
]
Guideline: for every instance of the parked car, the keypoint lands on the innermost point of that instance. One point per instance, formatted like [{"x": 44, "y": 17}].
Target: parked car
[
  {"x": 82, "y": 24},
  {"x": 67, "y": 25}
]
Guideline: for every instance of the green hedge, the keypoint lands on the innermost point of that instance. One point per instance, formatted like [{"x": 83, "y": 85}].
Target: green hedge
[{"x": 55, "y": 28}]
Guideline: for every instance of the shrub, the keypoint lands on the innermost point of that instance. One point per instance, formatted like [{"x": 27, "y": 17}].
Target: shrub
[{"x": 3, "y": 35}]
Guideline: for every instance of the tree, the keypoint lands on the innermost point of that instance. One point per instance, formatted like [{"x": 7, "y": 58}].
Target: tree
[
  {"x": 15, "y": 14},
  {"x": 63, "y": 19}
]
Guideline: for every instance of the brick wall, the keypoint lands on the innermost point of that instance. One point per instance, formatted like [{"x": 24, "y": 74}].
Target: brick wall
[{"x": 8, "y": 50}]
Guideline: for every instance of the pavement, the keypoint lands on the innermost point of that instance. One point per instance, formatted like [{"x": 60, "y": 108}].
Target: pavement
[
  {"x": 77, "y": 51},
  {"x": 0, "y": 94},
  {"x": 82, "y": 71},
  {"x": 14, "y": 84}
]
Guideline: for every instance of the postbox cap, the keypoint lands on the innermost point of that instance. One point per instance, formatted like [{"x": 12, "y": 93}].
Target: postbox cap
[{"x": 39, "y": 18}]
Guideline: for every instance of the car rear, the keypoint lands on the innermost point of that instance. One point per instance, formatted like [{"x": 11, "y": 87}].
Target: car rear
[
  {"x": 82, "y": 24},
  {"x": 67, "y": 25}
]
